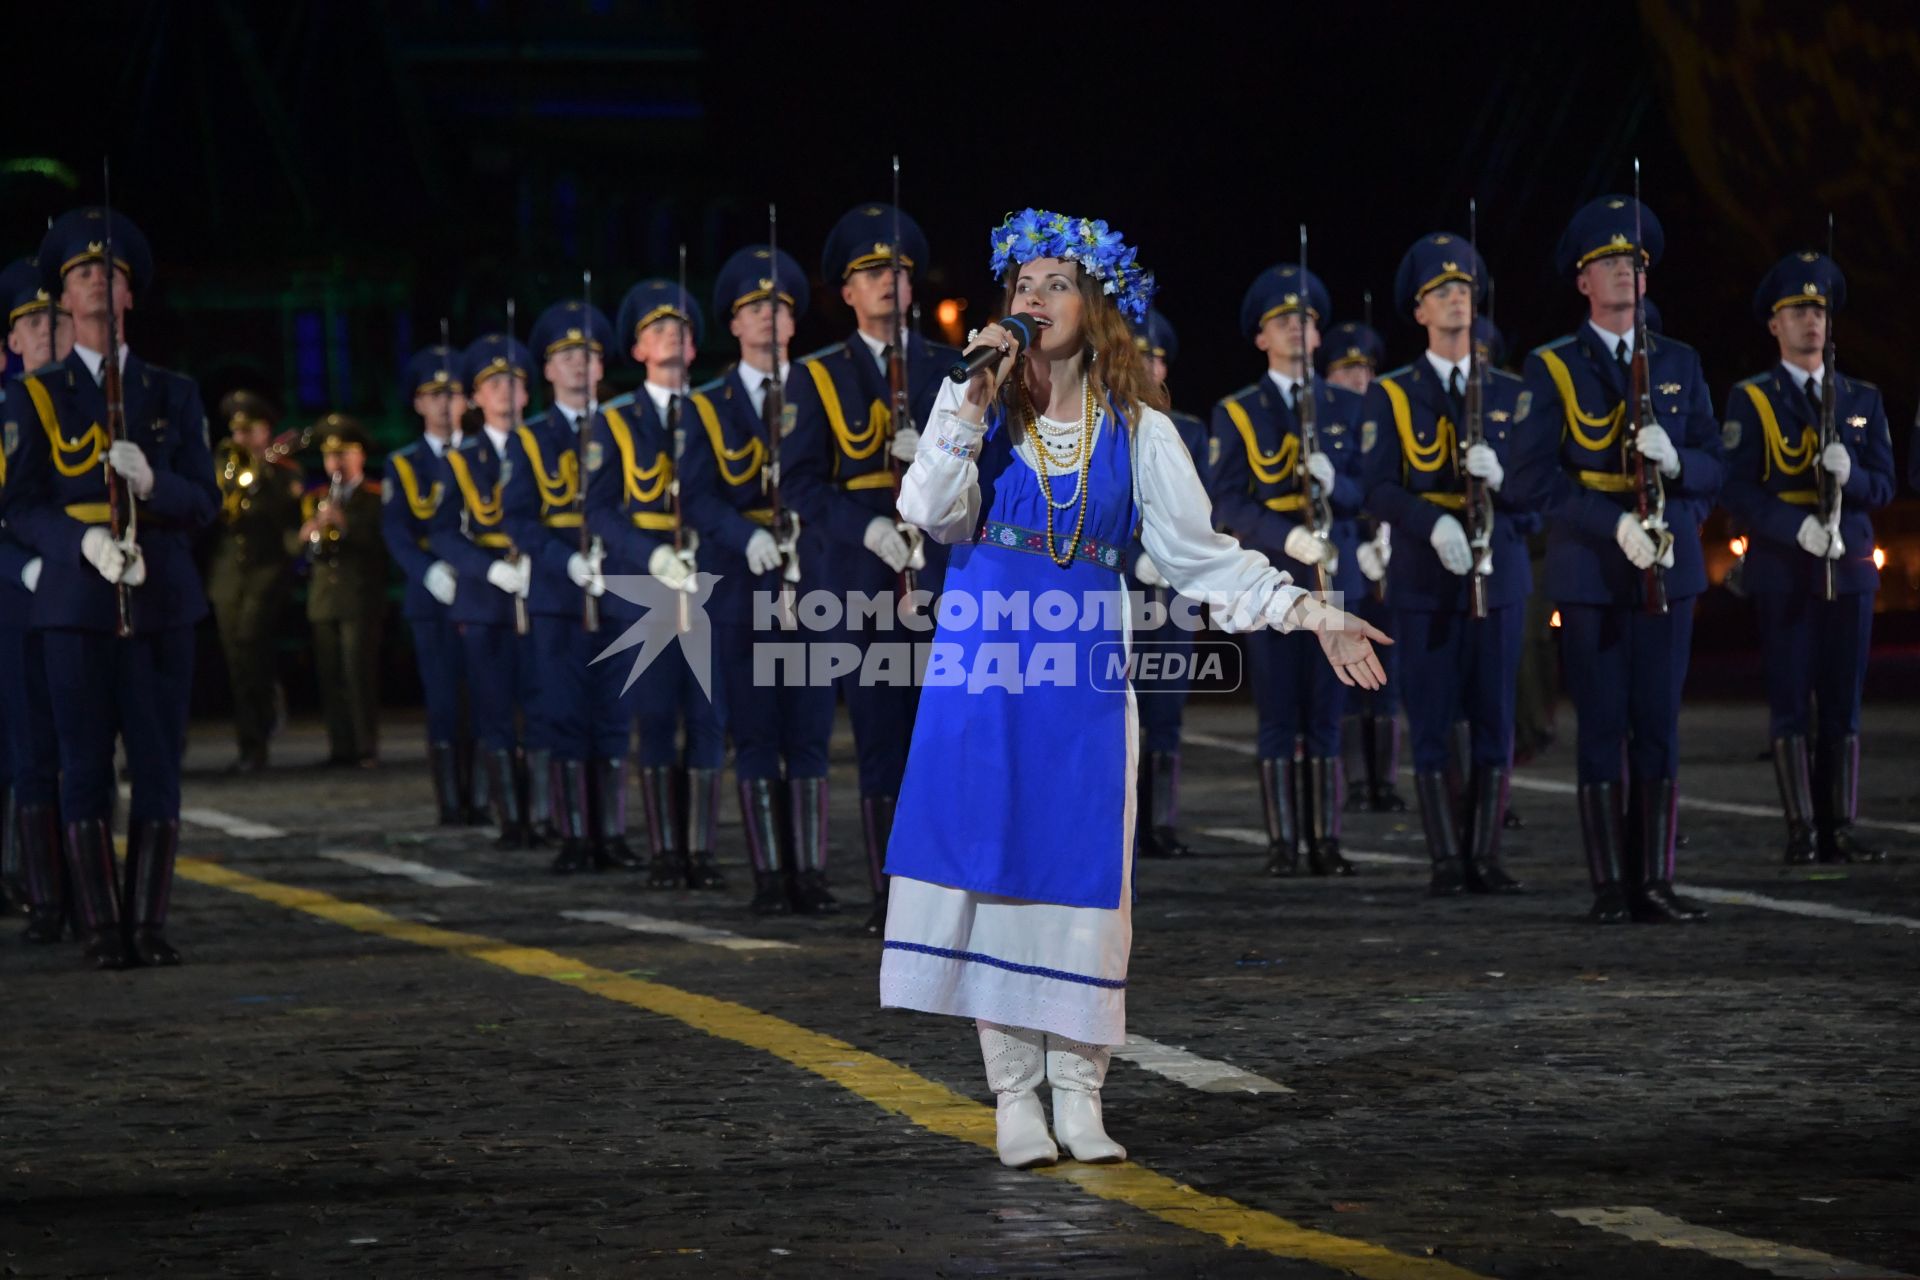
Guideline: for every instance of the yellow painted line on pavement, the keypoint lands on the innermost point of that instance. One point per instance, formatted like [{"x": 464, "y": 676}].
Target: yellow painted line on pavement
[{"x": 885, "y": 1084}]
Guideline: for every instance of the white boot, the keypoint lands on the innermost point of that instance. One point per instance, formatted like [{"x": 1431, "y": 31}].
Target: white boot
[
  {"x": 1076, "y": 1071},
  {"x": 1016, "y": 1064}
]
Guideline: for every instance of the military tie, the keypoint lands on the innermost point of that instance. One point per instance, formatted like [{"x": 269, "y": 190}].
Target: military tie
[
  {"x": 1813, "y": 395},
  {"x": 1293, "y": 397},
  {"x": 1624, "y": 360}
]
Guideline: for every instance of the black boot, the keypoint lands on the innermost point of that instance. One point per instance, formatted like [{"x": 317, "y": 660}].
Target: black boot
[
  {"x": 1383, "y": 768},
  {"x": 1278, "y": 799},
  {"x": 476, "y": 795},
  {"x": 37, "y": 829},
  {"x": 760, "y": 813},
  {"x": 152, "y": 846},
  {"x": 1601, "y": 834},
  {"x": 876, "y": 828},
  {"x": 610, "y": 849},
  {"x": 1160, "y": 806},
  {"x": 1356, "y": 753},
  {"x": 1487, "y": 793},
  {"x": 1796, "y": 797},
  {"x": 1653, "y": 900},
  {"x": 703, "y": 817},
  {"x": 506, "y": 794},
  {"x": 1838, "y": 843},
  {"x": 96, "y": 893},
  {"x": 540, "y": 817},
  {"x": 13, "y": 880},
  {"x": 567, "y": 792},
  {"x": 666, "y": 865},
  {"x": 1323, "y": 824},
  {"x": 446, "y": 785},
  {"x": 1443, "y": 840},
  {"x": 811, "y": 897}
]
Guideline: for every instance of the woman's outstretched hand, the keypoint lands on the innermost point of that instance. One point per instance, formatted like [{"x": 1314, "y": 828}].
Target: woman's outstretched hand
[{"x": 1347, "y": 641}]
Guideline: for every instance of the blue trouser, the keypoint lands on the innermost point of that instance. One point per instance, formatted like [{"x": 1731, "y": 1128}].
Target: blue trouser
[
  {"x": 557, "y": 717},
  {"x": 437, "y": 651},
  {"x": 100, "y": 686},
  {"x": 29, "y": 752},
  {"x": 784, "y": 719},
  {"x": 499, "y": 681},
  {"x": 1295, "y": 692},
  {"x": 663, "y": 697},
  {"x": 881, "y": 713},
  {"x": 1622, "y": 667},
  {"x": 1161, "y": 702},
  {"x": 1456, "y": 668},
  {"x": 1383, "y": 702},
  {"x": 1815, "y": 651}
]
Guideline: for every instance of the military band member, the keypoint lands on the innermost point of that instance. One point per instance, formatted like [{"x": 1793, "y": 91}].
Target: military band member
[
  {"x": 413, "y": 482},
  {"x": 1417, "y": 465},
  {"x": 99, "y": 682},
  {"x": 1161, "y": 702},
  {"x": 840, "y": 466},
  {"x": 1571, "y": 461},
  {"x": 247, "y": 574},
  {"x": 346, "y": 590},
  {"x": 1815, "y": 648},
  {"x": 731, "y": 482},
  {"x": 634, "y": 508},
  {"x": 468, "y": 531},
  {"x": 39, "y": 333},
  {"x": 1260, "y": 491}
]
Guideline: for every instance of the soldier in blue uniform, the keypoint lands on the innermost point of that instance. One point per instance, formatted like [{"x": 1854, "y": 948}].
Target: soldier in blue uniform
[
  {"x": 1815, "y": 647},
  {"x": 840, "y": 467},
  {"x": 468, "y": 531},
  {"x": 1162, "y": 702},
  {"x": 1417, "y": 467},
  {"x": 732, "y": 489},
  {"x": 1571, "y": 461},
  {"x": 584, "y": 739},
  {"x": 413, "y": 483},
  {"x": 39, "y": 333},
  {"x": 1261, "y": 491},
  {"x": 100, "y": 683},
  {"x": 636, "y": 511}
]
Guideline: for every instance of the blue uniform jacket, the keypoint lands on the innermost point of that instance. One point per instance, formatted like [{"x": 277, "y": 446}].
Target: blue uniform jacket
[
  {"x": 1568, "y": 464},
  {"x": 1411, "y": 464},
  {"x": 1772, "y": 439},
  {"x": 16, "y": 602},
  {"x": 630, "y": 502},
  {"x": 57, "y": 491},
  {"x": 833, "y": 465},
  {"x": 412, "y": 482},
  {"x": 1257, "y": 492},
  {"x": 468, "y": 531},
  {"x": 541, "y": 504}
]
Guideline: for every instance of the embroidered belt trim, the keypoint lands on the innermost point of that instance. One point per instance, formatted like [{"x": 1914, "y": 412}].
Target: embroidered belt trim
[{"x": 1013, "y": 538}]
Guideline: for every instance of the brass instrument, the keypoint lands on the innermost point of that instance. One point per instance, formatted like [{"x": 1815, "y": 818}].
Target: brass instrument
[{"x": 323, "y": 542}]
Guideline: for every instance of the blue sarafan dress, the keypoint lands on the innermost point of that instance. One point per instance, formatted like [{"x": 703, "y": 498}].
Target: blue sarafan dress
[{"x": 1011, "y": 852}]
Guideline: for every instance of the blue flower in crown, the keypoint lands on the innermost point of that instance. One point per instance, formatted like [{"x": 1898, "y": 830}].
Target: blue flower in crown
[{"x": 1101, "y": 253}]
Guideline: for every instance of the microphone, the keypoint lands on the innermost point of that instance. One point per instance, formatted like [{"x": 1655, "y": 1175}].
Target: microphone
[{"x": 1025, "y": 331}]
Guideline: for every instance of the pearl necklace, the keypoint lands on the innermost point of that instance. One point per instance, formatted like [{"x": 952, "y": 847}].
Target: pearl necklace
[{"x": 1082, "y": 457}]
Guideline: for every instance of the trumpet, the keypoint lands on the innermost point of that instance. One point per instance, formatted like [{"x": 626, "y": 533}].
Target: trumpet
[{"x": 324, "y": 534}]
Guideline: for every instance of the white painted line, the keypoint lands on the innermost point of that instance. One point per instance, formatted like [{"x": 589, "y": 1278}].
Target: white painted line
[
  {"x": 382, "y": 864},
  {"x": 1192, "y": 1070},
  {"x": 1637, "y": 1222},
  {"x": 1794, "y": 907},
  {"x": 229, "y": 824},
  {"x": 679, "y": 929},
  {"x": 1214, "y": 740},
  {"x": 1247, "y": 835}
]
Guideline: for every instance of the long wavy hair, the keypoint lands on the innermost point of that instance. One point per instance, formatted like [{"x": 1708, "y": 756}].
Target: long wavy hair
[{"x": 1119, "y": 375}]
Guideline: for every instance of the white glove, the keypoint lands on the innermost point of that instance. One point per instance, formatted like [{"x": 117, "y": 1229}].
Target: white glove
[
  {"x": 1657, "y": 447},
  {"x": 1148, "y": 573},
  {"x": 666, "y": 565},
  {"x": 1450, "y": 542},
  {"x": 906, "y": 443},
  {"x": 763, "y": 552},
  {"x": 30, "y": 574},
  {"x": 1836, "y": 545},
  {"x": 127, "y": 458},
  {"x": 1372, "y": 566},
  {"x": 1638, "y": 543},
  {"x": 885, "y": 541},
  {"x": 1483, "y": 462},
  {"x": 584, "y": 570},
  {"x": 440, "y": 581},
  {"x": 1320, "y": 467},
  {"x": 513, "y": 579},
  {"x": 1836, "y": 462},
  {"x": 104, "y": 554},
  {"x": 1303, "y": 546},
  {"x": 1813, "y": 537}
]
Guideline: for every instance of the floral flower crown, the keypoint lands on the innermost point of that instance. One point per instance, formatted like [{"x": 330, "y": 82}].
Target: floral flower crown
[{"x": 1101, "y": 253}]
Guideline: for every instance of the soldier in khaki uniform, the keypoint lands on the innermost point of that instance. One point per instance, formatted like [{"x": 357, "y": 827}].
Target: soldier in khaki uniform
[
  {"x": 247, "y": 575},
  {"x": 347, "y": 594}
]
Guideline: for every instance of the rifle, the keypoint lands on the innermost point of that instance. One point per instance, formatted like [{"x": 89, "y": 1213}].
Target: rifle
[
  {"x": 1319, "y": 513},
  {"x": 522, "y": 624},
  {"x": 1650, "y": 492},
  {"x": 1478, "y": 508},
  {"x": 685, "y": 542},
  {"x": 1829, "y": 433},
  {"x": 900, "y": 398},
  {"x": 589, "y": 545},
  {"x": 122, "y": 522},
  {"x": 1379, "y": 586},
  {"x": 785, "y": 522}
]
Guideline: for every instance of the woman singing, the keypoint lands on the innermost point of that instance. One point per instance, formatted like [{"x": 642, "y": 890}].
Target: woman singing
[{"x": 1011, "y": 850}]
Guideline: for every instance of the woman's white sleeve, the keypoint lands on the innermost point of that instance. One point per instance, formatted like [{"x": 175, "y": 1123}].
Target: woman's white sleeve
[
  {"x": 1241, "y": 587},
  {"x": 941, "y": 490}
]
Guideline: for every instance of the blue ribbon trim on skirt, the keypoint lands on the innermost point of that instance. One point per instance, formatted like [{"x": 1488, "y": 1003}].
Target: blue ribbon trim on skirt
[{"x": 945, "y": 953}]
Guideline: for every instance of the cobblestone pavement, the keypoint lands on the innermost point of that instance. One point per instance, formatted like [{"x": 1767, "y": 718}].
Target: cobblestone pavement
[{"x": 328, "y": 1090}]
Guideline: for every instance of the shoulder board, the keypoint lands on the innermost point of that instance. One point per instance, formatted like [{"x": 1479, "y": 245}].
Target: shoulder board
[
  {"x": 1337, "y": 395},
  {"x": 1556, "y": 343},
  {"x": 538, "y": 420},
  {"x": 715, "y": 387},
  {"x": 1247, "y": 392},
  {"x": 1656, "y": 341},
  {"x": 1859, "y": 383},
  {"x": 622, "y": 401},
  {"x": 822, "y": 354},
  {"x": 1758, "y": 379},
  {"x": 1403, "y": 371},
  {"x": 943, "y": 350},
  {"x": 1504, "y": 375},
  {"x": 371, "y": 484}
]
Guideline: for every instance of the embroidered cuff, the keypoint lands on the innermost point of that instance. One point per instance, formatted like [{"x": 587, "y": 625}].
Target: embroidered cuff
[{"x": 955, "y": 436}]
